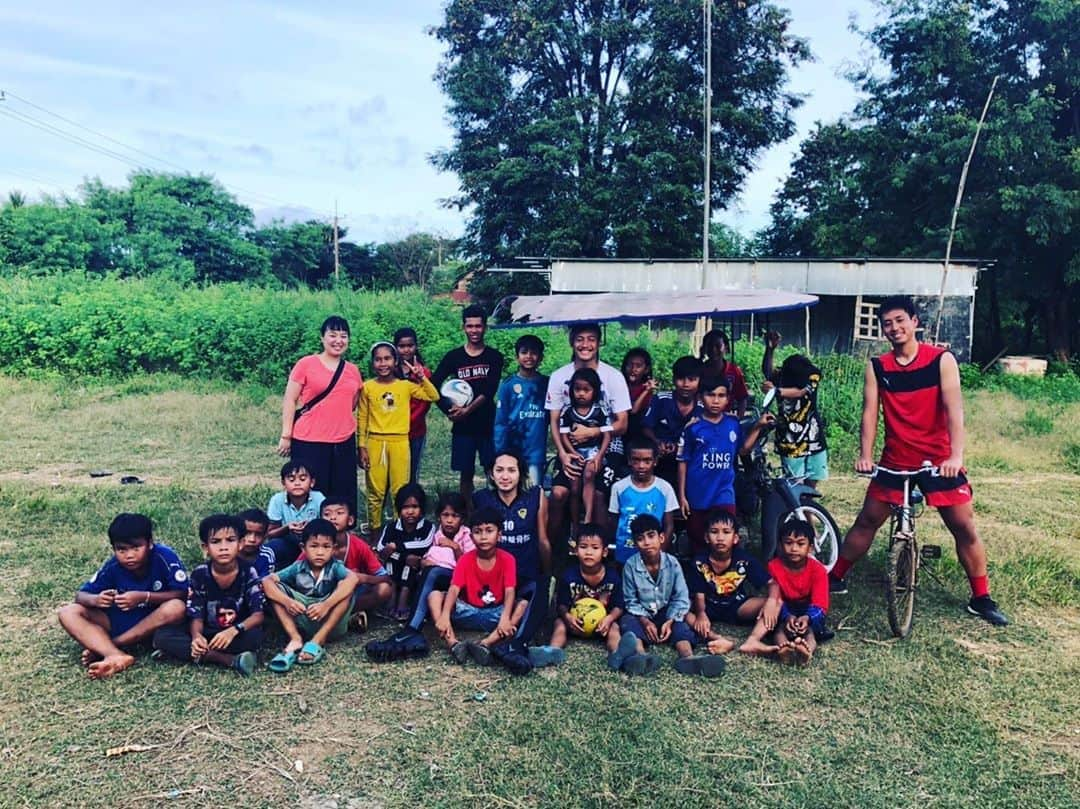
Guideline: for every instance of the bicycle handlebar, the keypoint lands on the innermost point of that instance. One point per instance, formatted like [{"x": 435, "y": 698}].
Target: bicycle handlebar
[{"x": 908, "y": 473}]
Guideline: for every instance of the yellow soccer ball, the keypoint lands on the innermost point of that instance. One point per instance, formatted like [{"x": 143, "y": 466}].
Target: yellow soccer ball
[{"x": 590, "y": 612}]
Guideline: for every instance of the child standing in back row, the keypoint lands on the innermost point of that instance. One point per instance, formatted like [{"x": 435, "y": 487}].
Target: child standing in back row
[
  {"x": 382, "y": 424},
  {"x": 706, "y": 455},
  {"x": 520, "y": 417},
  {"x": 408, "y": 349}
]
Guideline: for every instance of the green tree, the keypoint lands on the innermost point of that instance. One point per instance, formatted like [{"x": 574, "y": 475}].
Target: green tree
[
  {"x": 884, "y": 180},
  {"x": 578, "y": 127},
  {"x": 185, "y": 226},
  {"x": 52, "y": 236},
  {"x": 300, "y": 253}
]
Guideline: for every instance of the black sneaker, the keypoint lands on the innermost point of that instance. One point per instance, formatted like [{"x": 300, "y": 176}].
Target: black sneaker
[
  {"x": 514, "y": 656},
  {"x": 837, "y": 587},
  {"x": 985, "y": 608}
]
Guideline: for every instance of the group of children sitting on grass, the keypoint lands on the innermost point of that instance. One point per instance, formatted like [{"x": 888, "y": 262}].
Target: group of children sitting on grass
[{"x": 458, "y": 572}]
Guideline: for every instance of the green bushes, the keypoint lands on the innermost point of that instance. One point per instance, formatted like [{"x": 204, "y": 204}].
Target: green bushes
[{"x": 114, "y": 328}]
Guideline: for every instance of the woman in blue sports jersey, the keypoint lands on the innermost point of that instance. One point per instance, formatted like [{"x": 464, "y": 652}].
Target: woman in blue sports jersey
[{"x": 524, "y": 534}]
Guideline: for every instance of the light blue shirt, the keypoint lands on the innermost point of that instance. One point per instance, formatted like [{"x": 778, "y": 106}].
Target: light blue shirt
[
  {"x": 644, "y": 595},
  {"x": 280, "y": 510}
]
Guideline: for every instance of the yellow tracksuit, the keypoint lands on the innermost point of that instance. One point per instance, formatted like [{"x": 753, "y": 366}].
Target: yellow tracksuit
[{"x": 382, "y": 427}]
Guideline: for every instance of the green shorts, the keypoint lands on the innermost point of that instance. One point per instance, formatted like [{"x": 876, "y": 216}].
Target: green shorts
[
  {"x": 308, "y": 627},
  {"x": 811, "y": 467}
]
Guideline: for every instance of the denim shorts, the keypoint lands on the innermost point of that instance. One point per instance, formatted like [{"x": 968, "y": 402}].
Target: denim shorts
[
  {"x": 680, "y": 630},
  {"x": 485, "y": 619}
]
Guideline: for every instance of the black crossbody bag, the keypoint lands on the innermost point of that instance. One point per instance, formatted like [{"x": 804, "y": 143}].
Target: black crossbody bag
[{"x": 333, "y": 381}]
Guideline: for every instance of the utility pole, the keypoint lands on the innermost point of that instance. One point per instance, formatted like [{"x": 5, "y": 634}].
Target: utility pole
[
  {"x": 337, "y": 254},
  {"x": 708, "y": 141}
]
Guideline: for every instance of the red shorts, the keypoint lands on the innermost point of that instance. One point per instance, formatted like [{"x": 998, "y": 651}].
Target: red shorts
[{"x": 938, "y": 491}]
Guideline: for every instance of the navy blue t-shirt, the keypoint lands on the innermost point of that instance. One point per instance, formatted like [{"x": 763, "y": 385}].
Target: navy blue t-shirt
[
  {"x": 726, "y": 591},
  {"x": 573, "y": 588},
  {"x": 221, "y": 607},
  {"x": 164, "y": 572},
  {"x": 520, "y": 535},
  {"x": 665, "y": 420}
]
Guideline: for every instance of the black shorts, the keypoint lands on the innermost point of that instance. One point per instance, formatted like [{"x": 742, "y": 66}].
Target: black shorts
[{"x": 613, "y": 469}]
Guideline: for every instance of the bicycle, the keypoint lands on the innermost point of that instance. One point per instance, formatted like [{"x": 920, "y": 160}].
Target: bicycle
[
  {"x": 905, "y": 558},
  {"x": 780, "y": 497}
]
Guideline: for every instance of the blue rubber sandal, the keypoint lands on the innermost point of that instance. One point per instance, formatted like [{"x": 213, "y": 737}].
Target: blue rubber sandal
[
  {"x": 314, "y": 650},
  {"x": 282, "y": 662}
]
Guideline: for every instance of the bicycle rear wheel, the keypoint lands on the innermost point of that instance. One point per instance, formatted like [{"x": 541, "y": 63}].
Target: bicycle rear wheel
[
  {"x": 826, "y": 532},
  {"x": 900, "y": 573}
]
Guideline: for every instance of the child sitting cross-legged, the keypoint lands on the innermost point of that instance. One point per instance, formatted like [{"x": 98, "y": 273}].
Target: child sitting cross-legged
[
  {"x": 804, "y": 589},
  {"x": 312, "y": 598},
  {"x": 253, "y": 548},
  {"x": 140, "y": 589},
  {"x": 374, "y": 588},
  {"x": 224, "y": 605},
  {"x": 656, "y": 602},
  {"x": 481, "y": 597},
  {"x": 403, "y": 543},
  {"x": 592, "y": 579},
  {"x": 720, "y": 582}
]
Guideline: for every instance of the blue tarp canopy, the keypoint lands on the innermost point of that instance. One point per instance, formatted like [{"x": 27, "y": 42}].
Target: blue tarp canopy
[{"x": 566, "y": 310}]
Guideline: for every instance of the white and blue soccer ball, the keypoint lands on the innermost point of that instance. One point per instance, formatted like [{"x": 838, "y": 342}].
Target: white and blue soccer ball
[{"x": 457, "y": 391}]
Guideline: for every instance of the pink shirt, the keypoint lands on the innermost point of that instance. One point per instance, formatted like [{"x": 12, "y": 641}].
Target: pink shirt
[
  {"x": 332, "y": 419},
  {"x": 444, "y": 557}
]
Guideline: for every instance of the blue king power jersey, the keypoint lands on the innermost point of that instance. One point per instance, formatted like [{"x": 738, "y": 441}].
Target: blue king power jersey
[
  {"x": 709, "y": 451},
  {"x": 519, "y": 529}
]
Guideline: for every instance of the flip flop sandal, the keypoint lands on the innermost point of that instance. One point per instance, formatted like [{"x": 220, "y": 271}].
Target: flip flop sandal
[
  {"x": 460, "y": 652},
  {"x": 282, "y": 662},
  {"x": 314, "y": 650},
  {"x": 128, "y": 479}
]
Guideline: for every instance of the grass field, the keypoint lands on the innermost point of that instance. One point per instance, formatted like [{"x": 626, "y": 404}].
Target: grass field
[{"x": 959, "y": 715}]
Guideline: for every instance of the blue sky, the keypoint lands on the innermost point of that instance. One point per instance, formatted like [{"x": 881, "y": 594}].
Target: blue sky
[{"x": 293, "y": 106}]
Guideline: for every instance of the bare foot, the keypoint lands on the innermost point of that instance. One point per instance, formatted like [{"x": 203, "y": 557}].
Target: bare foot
[
  {"x": 802, "y": 651},
  {"x": 786, "y": 653},
  {"x": 756, "y": 647},
  {"x": 720, "y": 645},
  {"x": 87, "y": 657},
  {"x": 293, "y": 646},
  {"x": 109, "y": 666}
]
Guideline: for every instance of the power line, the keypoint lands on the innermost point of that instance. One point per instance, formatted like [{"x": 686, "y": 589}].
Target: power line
[
  {"x": 30, "y": 120},
  {"x": 32, "y": 178}
]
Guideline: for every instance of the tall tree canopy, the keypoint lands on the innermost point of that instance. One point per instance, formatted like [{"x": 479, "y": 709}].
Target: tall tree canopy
[
  {"x": 883, "y": 181},
  {"x": 578, "y": 123}
]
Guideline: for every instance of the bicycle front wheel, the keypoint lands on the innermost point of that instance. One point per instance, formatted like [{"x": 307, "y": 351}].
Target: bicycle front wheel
[
  {"x": 900, "y": 573},
  {"x": 826, "y": 532}
]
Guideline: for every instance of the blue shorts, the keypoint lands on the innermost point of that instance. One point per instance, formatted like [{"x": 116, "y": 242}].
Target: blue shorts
[
  {"x": 811, "y": 467},
  {"x": 727, "y": 614},
  {"x": 680, "y": 630},
  {"x": 485, "y": 619},
  {"x": 465, "y": 448}
]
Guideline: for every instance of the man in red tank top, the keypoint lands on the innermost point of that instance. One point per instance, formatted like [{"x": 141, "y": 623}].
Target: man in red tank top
[{"x": 918, "y": 389}]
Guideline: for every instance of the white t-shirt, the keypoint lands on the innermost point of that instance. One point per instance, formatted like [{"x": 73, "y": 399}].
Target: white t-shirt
[{"x": 613, "y": 389}]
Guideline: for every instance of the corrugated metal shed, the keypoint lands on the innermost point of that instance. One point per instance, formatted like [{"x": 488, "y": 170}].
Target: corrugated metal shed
[
  {"x": 873, "y": 277},
  {"x": 560, "y": 310}
]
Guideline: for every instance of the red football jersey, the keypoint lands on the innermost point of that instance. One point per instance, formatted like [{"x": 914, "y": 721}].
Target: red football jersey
[{"x": 916, "y": 427}]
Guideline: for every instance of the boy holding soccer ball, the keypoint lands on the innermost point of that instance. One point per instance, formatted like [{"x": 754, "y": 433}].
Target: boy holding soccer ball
[
  {"x": 587, "y": 591},
  {"x": 481, "y": 367}
]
